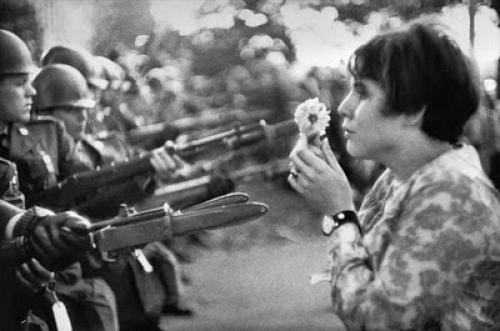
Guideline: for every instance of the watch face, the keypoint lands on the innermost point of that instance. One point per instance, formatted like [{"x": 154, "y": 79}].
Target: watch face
[{"x": 327, "y": 225}]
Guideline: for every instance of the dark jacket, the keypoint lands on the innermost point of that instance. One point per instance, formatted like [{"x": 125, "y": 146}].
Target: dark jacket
[
  {"x": 43, "y": 153},
  {"x": 98, "y": 152}
]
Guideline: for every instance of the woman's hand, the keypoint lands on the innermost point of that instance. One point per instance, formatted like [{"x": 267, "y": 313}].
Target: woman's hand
[{"x": 321, "y": 180}]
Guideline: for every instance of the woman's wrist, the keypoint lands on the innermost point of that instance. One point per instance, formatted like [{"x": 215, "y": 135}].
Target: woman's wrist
[
  {"x": 341, "y": 207},
  {"x": 332, "y": 222}
]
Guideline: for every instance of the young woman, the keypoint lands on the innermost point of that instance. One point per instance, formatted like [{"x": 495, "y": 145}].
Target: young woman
[{"x": 423, "y": 251}]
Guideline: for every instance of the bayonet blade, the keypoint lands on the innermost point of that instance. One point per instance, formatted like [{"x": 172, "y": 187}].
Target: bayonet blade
[
  {"x": 217, "y": 217},
  {"x": 161, "y": 224},
  {"x": 227, "y": 199}
]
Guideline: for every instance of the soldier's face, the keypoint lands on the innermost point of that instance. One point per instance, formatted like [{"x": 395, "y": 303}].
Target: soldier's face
[
  {"x": 16, "y": 94},
  {"x": 74, "y": 119}
]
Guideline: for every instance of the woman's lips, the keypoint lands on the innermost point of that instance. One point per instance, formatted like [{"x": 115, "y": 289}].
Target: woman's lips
[{"x": 347, "y": 132}]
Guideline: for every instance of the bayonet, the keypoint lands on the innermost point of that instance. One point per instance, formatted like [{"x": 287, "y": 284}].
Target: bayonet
[
  {"x": 131, "y": 229},
  {"x": 134, "y": 229}
]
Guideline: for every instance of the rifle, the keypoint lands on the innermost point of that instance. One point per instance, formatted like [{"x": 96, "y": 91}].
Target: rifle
[
  {"x": 217, "y": 180},
  {"x": 195, "y": 190},
  {"x": 131, "y": 229},
  {"x": 76, "y": 188},
  {"x": 237, "y": 137},
  {"x": 155, "y": 134},
  {"x": 105, "y": 203}
]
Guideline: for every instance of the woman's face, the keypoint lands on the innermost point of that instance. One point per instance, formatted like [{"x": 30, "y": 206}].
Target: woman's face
[{"x": 369, "y": 134}]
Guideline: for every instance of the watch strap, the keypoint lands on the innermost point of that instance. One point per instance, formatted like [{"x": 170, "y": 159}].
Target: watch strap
[{"x": 343, "y": 217}]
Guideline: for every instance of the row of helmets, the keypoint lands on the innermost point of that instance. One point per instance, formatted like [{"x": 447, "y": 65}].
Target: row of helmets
[{"x": 66, "y": 76}]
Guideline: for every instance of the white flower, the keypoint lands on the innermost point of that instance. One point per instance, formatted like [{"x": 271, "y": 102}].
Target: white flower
[{"x": 312, "y": 117}]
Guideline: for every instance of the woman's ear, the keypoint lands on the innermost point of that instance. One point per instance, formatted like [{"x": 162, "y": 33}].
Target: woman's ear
[{"x": 415, "y": 119}]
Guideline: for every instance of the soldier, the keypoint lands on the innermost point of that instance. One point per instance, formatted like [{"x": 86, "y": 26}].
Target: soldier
[
  {"x": 80, "y": 59},
  {"x": 112, "y": 117},
  {"x": 63, "y": 94},
  {"x": 24, "y": 286},
  {"x": 42, "y": 231},
  {"x": 41, "y": 151}
]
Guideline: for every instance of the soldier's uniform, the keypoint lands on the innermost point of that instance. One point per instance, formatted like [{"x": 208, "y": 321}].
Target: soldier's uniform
[
  {"x": 62, "y": 88},
  {"x": 104, "y": 149},
  {"x": 13, "y": 305},
  {"x": 19, "y": 306},
  {"x": 141, "y": 296},
  {"x": 43, "y": 153},
  {"x": 101, "y": 151},
  {"x": 9, "y": 184}
]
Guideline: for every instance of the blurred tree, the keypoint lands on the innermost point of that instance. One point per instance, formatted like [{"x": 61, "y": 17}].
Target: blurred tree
[
  {"x": 19, "y": 16},
  {"x": 358, "y": 10},
  {"x": 120, "y": 22},
  {"x": 495, "y": 4},
  {"x": 219, "y": 47},
  {"x": 215, "y": 50}
]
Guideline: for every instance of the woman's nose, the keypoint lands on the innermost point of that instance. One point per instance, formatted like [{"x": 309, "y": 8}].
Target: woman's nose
[{"x": 346, "y": 107}]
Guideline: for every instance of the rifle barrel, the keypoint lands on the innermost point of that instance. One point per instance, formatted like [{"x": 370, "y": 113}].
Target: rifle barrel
[
  {"x": 239, "y": 136},
  {"x": 221, "y": 118},
  {"x": 80, "y": 185},
  {"x": 265, "y": 131},
  {"x": 133, "y": 218},
  {"x": 135, "y": 136},
  {"x": 193, "y": 146}
]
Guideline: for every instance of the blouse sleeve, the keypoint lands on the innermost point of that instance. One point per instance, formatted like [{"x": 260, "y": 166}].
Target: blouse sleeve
[{"x": 423, "y": 256}]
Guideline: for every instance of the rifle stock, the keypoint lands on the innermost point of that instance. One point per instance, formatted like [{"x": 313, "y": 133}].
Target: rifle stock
[{"x": 76, "y": 188}]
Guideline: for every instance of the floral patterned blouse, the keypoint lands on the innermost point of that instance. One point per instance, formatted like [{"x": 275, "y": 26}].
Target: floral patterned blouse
[{"x": 429, "y": 257}]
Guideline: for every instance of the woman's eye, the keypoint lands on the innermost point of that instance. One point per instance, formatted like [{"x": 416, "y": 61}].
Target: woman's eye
[{"x": 362, "y": 92}]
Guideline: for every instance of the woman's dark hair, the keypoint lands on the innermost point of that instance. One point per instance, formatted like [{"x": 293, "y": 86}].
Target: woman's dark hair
[{"x": 421, "y": 67}]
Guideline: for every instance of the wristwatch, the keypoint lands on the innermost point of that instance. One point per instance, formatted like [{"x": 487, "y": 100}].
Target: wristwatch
[{"x": 331, "y": 222}]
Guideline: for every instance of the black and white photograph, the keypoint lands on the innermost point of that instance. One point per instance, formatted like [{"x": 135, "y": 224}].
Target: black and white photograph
[{"x": 249, "y": 165}]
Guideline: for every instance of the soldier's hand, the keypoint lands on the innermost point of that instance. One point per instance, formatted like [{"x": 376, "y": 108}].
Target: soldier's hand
[
  {"x": 59, "y": 240},
  {"x": 165, "y": 164},
  {"x": 32, "y": 276}
]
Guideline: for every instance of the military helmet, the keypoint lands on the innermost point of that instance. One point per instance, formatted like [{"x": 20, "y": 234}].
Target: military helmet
[
  {"x": 60, "y": 85},
  {"x": 15, "y": 57},
  {"x": 111, "y": 71},
  {"x": 78, "y": 58}
]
